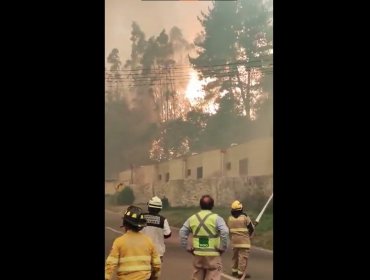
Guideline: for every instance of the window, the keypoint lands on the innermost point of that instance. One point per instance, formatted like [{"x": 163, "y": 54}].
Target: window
[
  {"x": 159, "y": 177},
  {"x": 189, "y": 172},
  {"x": 199, "y": 172},
  {"x": 167, "y": 177},
  {"x": 243, "y": 166},
  {"x": 228, "y": 166}
]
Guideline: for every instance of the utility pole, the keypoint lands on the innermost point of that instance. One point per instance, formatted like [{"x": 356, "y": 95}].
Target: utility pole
[{"x": 248, "y": 103}]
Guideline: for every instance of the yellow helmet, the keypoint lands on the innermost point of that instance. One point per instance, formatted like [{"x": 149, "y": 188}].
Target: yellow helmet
[{"x": 236, "y": 205}]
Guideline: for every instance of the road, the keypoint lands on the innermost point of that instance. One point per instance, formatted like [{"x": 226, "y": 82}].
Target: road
[{"x": 177, "y": 262}]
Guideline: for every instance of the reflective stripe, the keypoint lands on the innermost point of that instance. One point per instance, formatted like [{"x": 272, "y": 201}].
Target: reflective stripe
[
  {"x": 135, "y": 258},
  {"x": 202, "y": 224},
  {"x": 205, "y": 250},
  {"x": 134, "y": 268},
  {"x": 112, "y": 259},
  {"x": 107, "y": 276},
  {"x": 238, "y": 229},
  {"x": 156, "y": 261},
  {"x": 205, "y": 234},
  {"x": 241, "y": 245},
  {"x": 234, "y": 270},
  {"x": 202, "y": 253}
]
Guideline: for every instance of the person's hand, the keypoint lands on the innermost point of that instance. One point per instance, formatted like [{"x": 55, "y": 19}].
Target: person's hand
[
  {"x": 190, "y": 250},
  {"x": 255, "y": 223},
  {"x": 221, "y": 251}
]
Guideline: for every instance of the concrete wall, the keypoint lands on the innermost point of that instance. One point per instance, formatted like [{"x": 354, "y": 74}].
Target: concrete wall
[
  {"x": 110, "y": 187},
  {"x": 192, "y": 163},
  {"x": 162, "y": 169},
  {"x": 140, "y": 175},
  {"x": 145, "y": 174},
  {"x": 125, "y": 177},
  {"x": 224, "y": 190},
  {"x": 259, "y": 154},
  {"x": 224, "y": 185},
  {"x": 176, "y": 169},
  {"x": 212, "y": 164}
]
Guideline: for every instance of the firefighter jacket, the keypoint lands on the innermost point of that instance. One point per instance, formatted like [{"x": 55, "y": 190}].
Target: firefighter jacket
[
  {"x": 135, "y": 257},
  {"x": 241, "y": 228}
]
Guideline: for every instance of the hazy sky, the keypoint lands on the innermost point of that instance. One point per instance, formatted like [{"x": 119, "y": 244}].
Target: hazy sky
[{"x": 152, "y": 16}]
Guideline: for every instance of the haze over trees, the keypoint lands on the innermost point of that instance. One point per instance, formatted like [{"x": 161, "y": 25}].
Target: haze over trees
[{"x": 149, "y": 116}]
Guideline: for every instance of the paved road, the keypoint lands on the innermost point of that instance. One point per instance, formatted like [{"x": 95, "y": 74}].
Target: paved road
[{"x": 177, "y": 263}]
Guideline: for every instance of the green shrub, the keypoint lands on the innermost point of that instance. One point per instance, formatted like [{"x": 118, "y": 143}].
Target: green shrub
[
  {"x": 126, "y": 196},
  {"x": 165, "y": 203}
]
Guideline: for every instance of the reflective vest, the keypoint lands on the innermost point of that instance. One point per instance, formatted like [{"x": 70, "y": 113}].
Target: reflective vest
[
  {"x": 206, "y": 239},
  {"x": 135, "y": 257},
  {"x": 156, "y": 227},
  {"x": 239, "y": 232}
]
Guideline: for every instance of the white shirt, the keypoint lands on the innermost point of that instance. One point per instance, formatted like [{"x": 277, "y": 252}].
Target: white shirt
[{"x": 157, "y": 227}]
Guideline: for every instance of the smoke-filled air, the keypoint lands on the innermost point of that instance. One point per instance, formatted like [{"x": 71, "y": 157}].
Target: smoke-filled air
[{"x": 202, "y": 83}]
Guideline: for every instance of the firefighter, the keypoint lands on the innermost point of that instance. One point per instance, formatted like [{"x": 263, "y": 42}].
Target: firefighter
[
  {"x": 157, "y": 227},
  {"x": 210, "y": 240},
  {"x": 133, "y": 254},
  {"x": 241, "y": 230}
]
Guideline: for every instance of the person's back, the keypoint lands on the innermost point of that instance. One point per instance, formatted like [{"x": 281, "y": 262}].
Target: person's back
[
  {"x": 157, "y": 227},
  {"x": 238, "y": 225},
  {"x": 133, "y": 245},
  {"x": 133, "y": 254},
  {"x": 208, "y": 235},
  {"x": 210, "y": 240},
  {"x": 241, "y": 228}
]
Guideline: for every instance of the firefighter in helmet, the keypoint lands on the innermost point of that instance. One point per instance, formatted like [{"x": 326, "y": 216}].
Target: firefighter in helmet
[
  {"x": 157, "y": 227},
  {"x": 241, "y": 230},
  {"x": 133, "y": 254}
]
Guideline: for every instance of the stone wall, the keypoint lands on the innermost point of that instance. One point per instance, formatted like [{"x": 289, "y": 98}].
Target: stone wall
[{"x": 188, "y": 191}]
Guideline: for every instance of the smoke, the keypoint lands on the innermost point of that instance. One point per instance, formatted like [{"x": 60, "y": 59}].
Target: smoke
[{"x": 153, "y": 16}]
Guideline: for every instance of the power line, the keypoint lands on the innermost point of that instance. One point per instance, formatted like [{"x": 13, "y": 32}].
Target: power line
[
  {"x": 179, "y": 66},
  {"x": 149, "y": 83},
  {"x": 214, "y": 74}
]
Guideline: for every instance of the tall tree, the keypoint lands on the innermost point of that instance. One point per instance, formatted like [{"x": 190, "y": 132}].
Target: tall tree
[
  {"x": 113, "y": 76},
  {"x": 236, "y": 37}
]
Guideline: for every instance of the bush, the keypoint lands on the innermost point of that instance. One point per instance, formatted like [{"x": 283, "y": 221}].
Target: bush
[
  {"x": 165, "y": 203},
  {"x": 126, "y": 196},
  {"x": 108, "y": 198}
]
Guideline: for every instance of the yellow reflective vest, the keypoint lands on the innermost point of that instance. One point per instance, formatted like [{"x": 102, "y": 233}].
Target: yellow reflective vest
[
  {"x": 206, "y": 239},
  {"x": 239, "y": 233},
  {"x": 135, "y": 257}
]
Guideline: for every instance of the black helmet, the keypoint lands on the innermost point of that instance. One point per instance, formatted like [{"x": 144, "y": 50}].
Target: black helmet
[{"x": 134, "y": 216}]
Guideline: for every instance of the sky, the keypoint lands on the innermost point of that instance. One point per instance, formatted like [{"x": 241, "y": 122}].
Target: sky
[{"x": 152, "y": 17}]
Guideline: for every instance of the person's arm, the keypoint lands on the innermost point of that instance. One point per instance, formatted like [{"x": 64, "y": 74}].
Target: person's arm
[
  {"x": 155, "y": 263},
  {"x": 184, "y": 235},
  {"x": 228, "y": 226},
  {"x": 250, "y": 226},
  {"x": 224, "y": 233},
  {"x": 111, "y": 262},
  {"x": 166, "y": 229}
]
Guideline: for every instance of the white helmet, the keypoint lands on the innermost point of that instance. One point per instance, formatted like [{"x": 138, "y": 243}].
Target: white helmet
[{"x": 155, "y": 202}]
